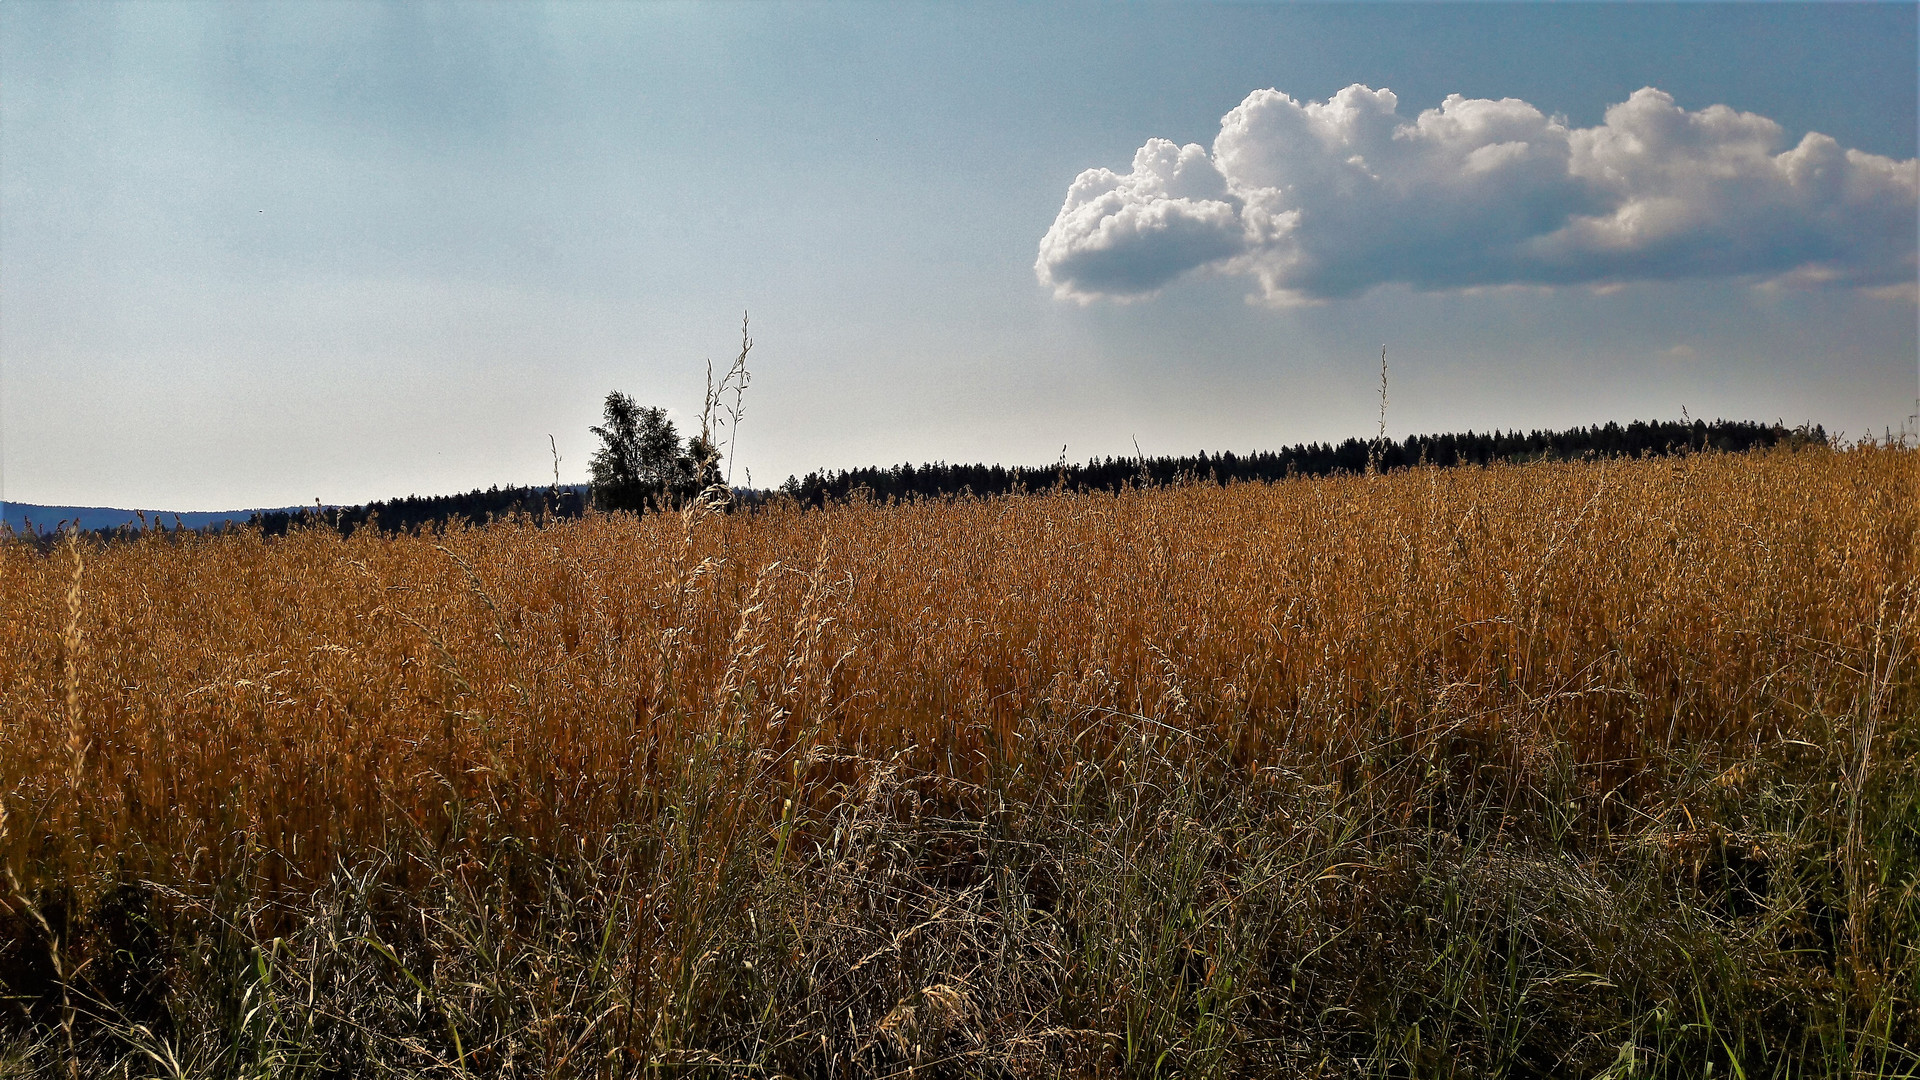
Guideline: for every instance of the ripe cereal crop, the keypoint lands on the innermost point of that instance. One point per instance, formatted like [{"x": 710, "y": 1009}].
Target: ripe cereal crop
[{"x": 1602, "y": 768}]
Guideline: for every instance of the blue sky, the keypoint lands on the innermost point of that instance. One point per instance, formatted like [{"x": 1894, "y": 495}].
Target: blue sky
[{"x": 257, "y": 255}]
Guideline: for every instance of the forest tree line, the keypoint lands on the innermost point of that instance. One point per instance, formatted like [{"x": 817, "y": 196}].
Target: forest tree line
[
  {"x": 942, "y": 480},
  {"x": 1611, "y": 440}
]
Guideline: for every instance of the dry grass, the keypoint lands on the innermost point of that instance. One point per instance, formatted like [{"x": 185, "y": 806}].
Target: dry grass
[{"x": 1544, "y": 770}]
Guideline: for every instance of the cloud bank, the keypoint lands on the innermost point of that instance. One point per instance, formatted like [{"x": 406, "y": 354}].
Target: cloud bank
[{"x": 1321, "y": 200}]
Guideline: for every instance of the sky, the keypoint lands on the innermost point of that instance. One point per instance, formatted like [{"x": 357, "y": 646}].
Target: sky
[{"x": 258, "y": 255}]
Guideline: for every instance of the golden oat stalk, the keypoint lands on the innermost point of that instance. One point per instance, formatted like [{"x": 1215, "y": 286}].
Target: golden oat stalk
[{"x": 71, "y": 642}]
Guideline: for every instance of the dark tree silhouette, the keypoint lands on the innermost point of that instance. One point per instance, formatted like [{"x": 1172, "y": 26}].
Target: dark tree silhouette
[
  {"x": 640, "y": 462},
  {"x": 699, "y": 469}
]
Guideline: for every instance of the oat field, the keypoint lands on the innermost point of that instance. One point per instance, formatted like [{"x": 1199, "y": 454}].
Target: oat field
[{"x": 1546, "y": 770}]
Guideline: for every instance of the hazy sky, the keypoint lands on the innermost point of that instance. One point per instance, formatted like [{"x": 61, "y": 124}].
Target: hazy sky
[{"x": 255, "y": 255}]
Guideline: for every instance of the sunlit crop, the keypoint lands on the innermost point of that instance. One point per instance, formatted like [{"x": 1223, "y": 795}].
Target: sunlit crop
[{"x": 1474, "y": 772}]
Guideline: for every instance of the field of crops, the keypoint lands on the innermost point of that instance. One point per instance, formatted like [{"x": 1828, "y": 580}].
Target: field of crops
[{"x": 1546, "y": 770}]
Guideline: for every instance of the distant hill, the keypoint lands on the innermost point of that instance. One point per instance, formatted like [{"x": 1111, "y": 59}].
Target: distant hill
[{"x": 38, "y": 517}]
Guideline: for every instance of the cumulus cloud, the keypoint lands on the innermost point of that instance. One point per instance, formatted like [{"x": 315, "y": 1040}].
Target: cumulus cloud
[
  {"x": 1318, "y": 200},
  {"x": 1128, "y": 235}
]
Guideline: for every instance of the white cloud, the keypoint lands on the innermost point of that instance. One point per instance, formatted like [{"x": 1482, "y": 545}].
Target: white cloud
[
  {"x": 1319, "y": 200},
  {"x": 1128, "y": 235}
]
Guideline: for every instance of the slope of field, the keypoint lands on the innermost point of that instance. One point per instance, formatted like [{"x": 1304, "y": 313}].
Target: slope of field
[{"x": 1556, "y": 769}]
